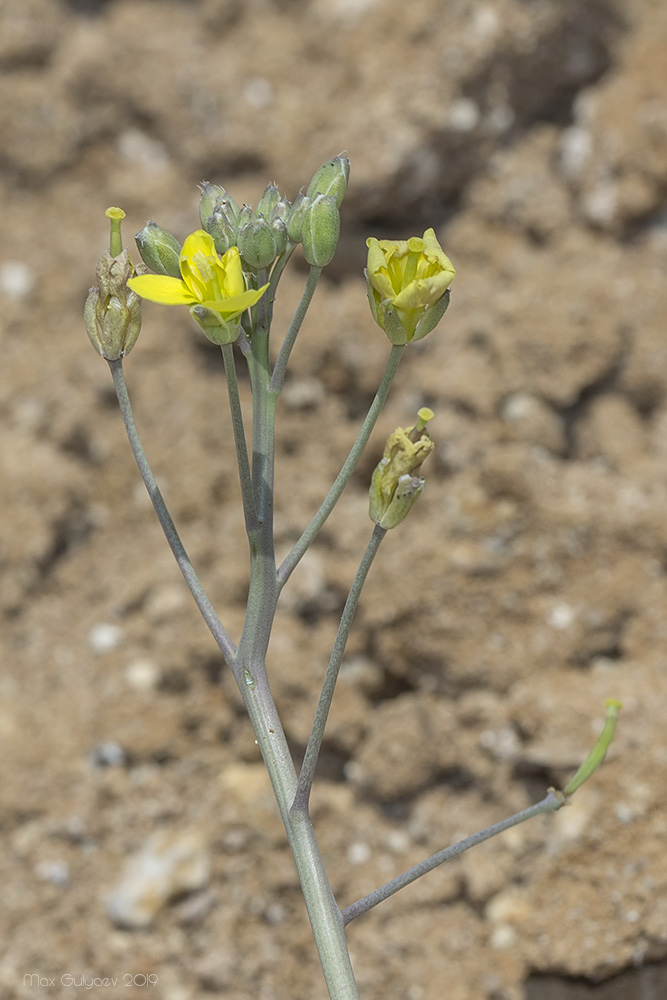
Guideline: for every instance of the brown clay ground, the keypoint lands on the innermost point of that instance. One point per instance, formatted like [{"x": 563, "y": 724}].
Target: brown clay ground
[{"x": 530, "y": 586}]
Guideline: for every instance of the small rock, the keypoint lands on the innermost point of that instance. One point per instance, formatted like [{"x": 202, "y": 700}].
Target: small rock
[
  {"x": 169, "y": 865},
  {"x": 143, "y": 675},
  {"x": 56, "y": 872},
  {"x": 105, "y": 637},
  {"x": 17, "y": 279}
]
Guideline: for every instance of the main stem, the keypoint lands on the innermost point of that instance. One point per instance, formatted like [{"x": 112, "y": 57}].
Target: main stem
[{"x": 251, "y": 676}]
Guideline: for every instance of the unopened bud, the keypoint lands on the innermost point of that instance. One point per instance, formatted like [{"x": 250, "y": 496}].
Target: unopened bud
[
  {"x": 159, "y": 249},
  {"x": 294, "y": 219},
  {"x": 320, "y": 230},
  {"x": 212, "y": 196},
  {"x": 269, "y": 200},
  {"x": 257, "y": 244},
  {"x": 331, "y": 179},
  {"x": 222, "y": 228}
]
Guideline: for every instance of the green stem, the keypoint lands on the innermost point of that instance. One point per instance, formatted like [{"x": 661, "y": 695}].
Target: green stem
[
  {"x": 219, "y": 633},
  {"x": 323, "y": 912},
  {"x": 552, "y": 801},
  {"x": 249, "y": 512},
  {"x": 305, "y": 541},
  {"x": 280, "y": 368},
  {"x": 250, "y": 673},
  {"x": 313, "y": 748}
]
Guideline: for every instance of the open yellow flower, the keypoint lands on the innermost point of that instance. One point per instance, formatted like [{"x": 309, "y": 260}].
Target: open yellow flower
[
  {"x": 408, "y": 282},
  {"x": 209, "y": 284}
]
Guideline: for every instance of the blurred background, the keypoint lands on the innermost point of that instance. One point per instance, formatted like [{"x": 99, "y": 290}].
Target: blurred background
[{"x": 530, "y": 587}]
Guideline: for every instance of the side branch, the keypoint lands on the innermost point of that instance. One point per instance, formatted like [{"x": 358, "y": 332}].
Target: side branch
[
  {"x": 217, "y": 629},
  {"x": 249, "y": 511},
  {"x": 313, "y": 748},
  {"x": 552, "y": 801},
  {"x": 307, "y": 538}
]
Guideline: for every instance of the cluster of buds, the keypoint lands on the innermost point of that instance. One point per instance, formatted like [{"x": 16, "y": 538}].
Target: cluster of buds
[
  {"x": 395, "y": 487},
  {"x": 264, "y": 234},
  {"x": 112, "y": 312},
  {"x": 222, "y": 270}
]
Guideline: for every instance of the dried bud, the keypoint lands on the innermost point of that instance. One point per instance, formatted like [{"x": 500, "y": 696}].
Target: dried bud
[
  {"x": 112, "y": 312},
  {"x": 394, "y": 487}
]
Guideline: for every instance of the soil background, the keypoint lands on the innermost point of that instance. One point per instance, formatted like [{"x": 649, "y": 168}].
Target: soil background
[{"x": 529, "y": 586}]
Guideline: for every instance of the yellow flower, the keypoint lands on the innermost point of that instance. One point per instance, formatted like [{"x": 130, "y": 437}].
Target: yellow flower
[
  {"x": 408, "y": 282},
  {"x": 209, "y": 284}
]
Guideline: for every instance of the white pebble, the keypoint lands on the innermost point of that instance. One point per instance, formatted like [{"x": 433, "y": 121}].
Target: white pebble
[
  {"x": 17, "y": 279},
  {"x": 142, "y": 675},
  {"x": 104, "y": 638},
  {"x": 358, "y": 853},
  {"x": 169, "y": 865}
]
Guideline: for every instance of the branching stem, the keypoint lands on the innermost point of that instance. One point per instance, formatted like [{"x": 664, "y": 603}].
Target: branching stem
[
  {"x": 218, "y": 631},
  {"x": 552, "y": 801},
  {"x": 307, "y": 538}
]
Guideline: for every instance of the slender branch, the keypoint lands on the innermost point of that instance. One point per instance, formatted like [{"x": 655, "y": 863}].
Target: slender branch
[
  {"x": 552, "y": 801},
  {"x": 276, "y": 273},
  {"x": 249, "y": 511},
  {"x": 313, "y": 748},
  {"x": 300, "y": 548},
  {"x": 280, "y": 368},
  {"x": 218, "y": 631}
]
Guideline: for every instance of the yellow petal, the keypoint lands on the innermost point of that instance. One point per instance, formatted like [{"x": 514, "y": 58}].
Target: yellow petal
[
  {"x": 236, "y": 304},
  {"x": 198, "y": 242},
  {"x": 161, "y": 288}
]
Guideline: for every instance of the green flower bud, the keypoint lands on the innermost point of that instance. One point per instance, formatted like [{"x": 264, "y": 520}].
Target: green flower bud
[
  {"x": 331, "y": 179},
  {"x": 320, "y": 230},
  {"x": 294, "y": 219},
  {"x": 279, "y": 230},
  {"x": 219, "y": 226},
  {"x": 257, "y": 244},
  {"x": 218, "y": 330},
  {"x": 281, "y": 210},
  {"x": 394, "y": 486},
  {"x": 212, "y": 196},
  {"x": 269, "y": 200},
  {"x": 245, "y": 216},
  {"x": 159, "y": 249}
]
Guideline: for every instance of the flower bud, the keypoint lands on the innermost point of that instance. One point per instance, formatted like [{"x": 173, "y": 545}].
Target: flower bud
[
  {"x": 279, "y": 230},
  {"x": 320, "y": 230},
  {"x": 257, "y": 244},
  {"x": 394, "y": 486},
  {"x": 221, "y": 226},
  {"x": 269, "y": 201},
  {"x": 212, "y": 196},
  {"x": 331, "y": 179},
  {"x": 294, "y": 219},
  {"x": 159, "y": 249},
  {"x": 216, "y": 328}
]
